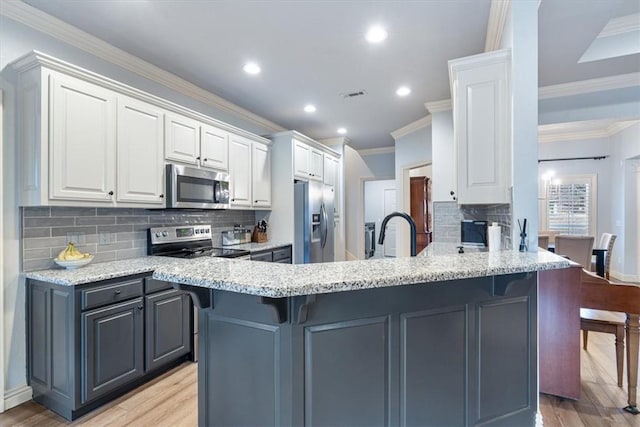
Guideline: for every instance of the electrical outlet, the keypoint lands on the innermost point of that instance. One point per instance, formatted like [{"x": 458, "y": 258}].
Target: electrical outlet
[
  {"x": 77, "y": 239},
  {"x": 105, "y": 238}
]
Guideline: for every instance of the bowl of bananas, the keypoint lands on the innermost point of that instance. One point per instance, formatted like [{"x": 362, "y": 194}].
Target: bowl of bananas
[{"x": 70, "y": 257}]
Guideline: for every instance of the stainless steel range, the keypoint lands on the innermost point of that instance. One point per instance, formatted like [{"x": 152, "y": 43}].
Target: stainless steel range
[{"x": 189, "y": 241}]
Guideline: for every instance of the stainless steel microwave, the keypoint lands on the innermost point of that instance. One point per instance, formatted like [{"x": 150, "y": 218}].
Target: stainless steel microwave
[{"x": 196, "y": 188}]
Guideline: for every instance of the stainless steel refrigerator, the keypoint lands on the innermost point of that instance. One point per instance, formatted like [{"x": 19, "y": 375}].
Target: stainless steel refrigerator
[{"x": 314, "y": 222}]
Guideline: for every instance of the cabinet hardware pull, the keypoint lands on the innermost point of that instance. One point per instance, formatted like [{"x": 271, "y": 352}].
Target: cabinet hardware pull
[
  {"x": 110, "y": 193},
  {"x": 162, "y": 196},
  {"x": 255, "y": 201},
  {"x": 198, "y": 158},
  {"x": 140, "y": 307},
  {"x": 233, "y": 200},
  {"x": 118, "y": 291},
  {"x": 205, "y": 159}
]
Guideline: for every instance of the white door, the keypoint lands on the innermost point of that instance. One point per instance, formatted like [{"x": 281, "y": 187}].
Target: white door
[
  {"x": 261, "y": 175},
  {"x": 316, "y": 160},
  {"x": 182, "y": 139},
  {"x": 83, "y": 141},
  {"x": 214, "y": 148},
  {"x": 389, "y": 197},
  {"x": 239, "y": 171},
  {"x": 301, "y": 152},
  {"x": 140, "y": 157}
]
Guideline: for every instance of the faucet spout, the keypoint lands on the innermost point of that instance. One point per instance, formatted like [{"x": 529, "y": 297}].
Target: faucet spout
[{"x": 412, "y": 225}]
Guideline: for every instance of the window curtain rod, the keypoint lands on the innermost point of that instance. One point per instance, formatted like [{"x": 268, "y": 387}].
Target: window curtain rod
[{"x": 573, "y": 158}]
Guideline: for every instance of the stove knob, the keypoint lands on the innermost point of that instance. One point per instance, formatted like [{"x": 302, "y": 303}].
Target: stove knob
[
  {"x": 165, "y": 234},
  {"x": 158, "y": 234},
  {"x": 197, "y": 231}
]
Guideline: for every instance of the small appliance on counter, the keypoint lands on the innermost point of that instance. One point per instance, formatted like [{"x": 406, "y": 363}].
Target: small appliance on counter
[
  {"x": 473, "y": 233},
  {"x": 236, "y": 236}
]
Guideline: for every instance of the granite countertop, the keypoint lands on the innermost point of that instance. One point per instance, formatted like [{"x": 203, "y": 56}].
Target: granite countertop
[
  {"x": 284, "y": 280},
  {"x": 102, "y": 270},
  {"x": 256, "y": 247}
]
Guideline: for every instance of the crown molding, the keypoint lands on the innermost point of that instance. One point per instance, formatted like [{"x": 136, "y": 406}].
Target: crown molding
[
  {"x": 438, "y": 106},
  {"x": 374, "y": 151},
  {"x": 564, "y": 132},
  {"x": 51, "y": 26},
  {"x": 495, "y": 27},
  {"x": 588, "y": 86},
  {"x": 412, "y": 127},
  {"x": 294, "y": 134},
  {"x": 621, "y": 25},
  {"x": 338, "y": 141}
]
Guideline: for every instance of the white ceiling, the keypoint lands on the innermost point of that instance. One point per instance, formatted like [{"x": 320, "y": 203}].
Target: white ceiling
[{"x": 312, "y": 51}]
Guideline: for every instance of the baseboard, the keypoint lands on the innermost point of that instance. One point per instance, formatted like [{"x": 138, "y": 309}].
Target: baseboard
[
  {"x": 624, "y": 277},
  {"x": 17, "y": 396},
  {"x": 539, "y": 421}
]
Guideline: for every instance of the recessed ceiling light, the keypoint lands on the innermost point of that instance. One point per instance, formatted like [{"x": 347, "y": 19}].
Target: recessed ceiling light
[
  {"x": 251, "y": 68},
  {"x": 342, "y": 131},
  {"x": 403, "y": 91},
  {"x": 376, "y": 34},
  {"x": 310, "y": 108}
]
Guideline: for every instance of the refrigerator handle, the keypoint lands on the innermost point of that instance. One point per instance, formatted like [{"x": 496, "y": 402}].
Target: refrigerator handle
[{"x": 325, "y": 221}]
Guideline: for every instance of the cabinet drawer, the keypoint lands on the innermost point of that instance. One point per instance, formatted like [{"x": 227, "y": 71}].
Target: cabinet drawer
[
  {"x": 284, "y": 261},
  {"x": 262, "y": 256},
  {"x": 152, "y": 285},
  {"x": 111, "y": 293},
  {"x": 282, "y": 253}
]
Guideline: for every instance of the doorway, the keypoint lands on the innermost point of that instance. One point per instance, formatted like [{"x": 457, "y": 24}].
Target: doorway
[
  {"x": 379, "y": 201},
  {"x": 421, "y": 207}
]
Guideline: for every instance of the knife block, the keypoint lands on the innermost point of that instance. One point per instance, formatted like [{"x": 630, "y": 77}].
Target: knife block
[{"x": 259, "y": 236}]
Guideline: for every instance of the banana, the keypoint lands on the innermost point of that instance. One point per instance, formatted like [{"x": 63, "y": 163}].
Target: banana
[{"x": 70, "y": 253}]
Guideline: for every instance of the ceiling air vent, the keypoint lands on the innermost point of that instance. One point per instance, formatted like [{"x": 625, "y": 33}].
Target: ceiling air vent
[{"x": 353, "y": 94}]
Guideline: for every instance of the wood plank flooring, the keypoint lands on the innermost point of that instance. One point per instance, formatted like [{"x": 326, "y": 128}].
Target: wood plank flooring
[{"x": 171, "y": 400}]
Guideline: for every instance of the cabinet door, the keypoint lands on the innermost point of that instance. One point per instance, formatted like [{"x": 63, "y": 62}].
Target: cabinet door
[
  {"x": 112, "y": 345},
  {"x": 182, "y": 139},
  {"x": 329, "y": 170},
  {"x": 239, "y": 171},
  {"x": 301, "y": 154},
  {"x": 316, "y": 160},
  {"x": 167, "y": 327},
  {"x": 337, "y": 169},
  {"x": 214, "y": 148},
  {"x": 482, "y": 133},
  {"x": 140, "y": 152},
  {"x": 261, "y": 175},
  {"x": 83, "y": 141}
]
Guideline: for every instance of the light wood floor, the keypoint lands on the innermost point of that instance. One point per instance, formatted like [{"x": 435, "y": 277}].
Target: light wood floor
[{"x": 171, "y": 400}]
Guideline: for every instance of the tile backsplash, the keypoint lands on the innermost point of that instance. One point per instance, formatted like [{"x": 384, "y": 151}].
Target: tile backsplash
[
  {"x": 447, "y": 217},
  {"x": 109, "y": 233}
]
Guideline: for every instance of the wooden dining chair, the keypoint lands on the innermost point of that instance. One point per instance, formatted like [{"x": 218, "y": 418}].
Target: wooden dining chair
[
  {"x": 576, "y": 248},
  {"x": 606, "y": 242},
  {"x": 543, "y": 241}
]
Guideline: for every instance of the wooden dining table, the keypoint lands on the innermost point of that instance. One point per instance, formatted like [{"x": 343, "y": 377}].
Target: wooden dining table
[{"x": 599, "y": 253}]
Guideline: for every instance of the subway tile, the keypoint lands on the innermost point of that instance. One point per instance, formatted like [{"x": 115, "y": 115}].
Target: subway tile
[
  {"x": 115, "y": 246},
  {"x": 37, "y": 264},
  {"x": 36, "y": 211},
  {"x": 36, "y": 254},
  {"x": 114, "y": 211},
  {"x": 72, "y": 211},
  {"x": 44, "y": 242},
  {"x": 115, "y": 228},
  {"x": 104, "y": 256},
  {"x": 141, "y": 227},
  {"x": 131, "y": 253},
  {"x": 47, "y": 221},
  {"x": 36, "y": 232},
  {"x": 62, "y": 231},
  {"x": 140, "y": 243},
  {"x": 136, "y": 235},
  {"x": 132, "y": 220},
  {"x": 95, "y": 220}
]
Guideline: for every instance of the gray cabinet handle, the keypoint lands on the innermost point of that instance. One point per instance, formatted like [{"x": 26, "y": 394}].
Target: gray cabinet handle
[{"x": 118, "y": 291}]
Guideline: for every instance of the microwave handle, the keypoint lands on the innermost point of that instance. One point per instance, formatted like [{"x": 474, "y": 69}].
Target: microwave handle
[{"x": 216, "y": 191}]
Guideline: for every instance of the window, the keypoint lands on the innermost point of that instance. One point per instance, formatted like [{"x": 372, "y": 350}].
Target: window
[{"x": 569, "y": 205}]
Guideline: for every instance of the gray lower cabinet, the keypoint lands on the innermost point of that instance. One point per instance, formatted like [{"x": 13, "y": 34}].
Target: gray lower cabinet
[
  {"x": 89, "y": 343},
  {"x": 281, "y": 255}
]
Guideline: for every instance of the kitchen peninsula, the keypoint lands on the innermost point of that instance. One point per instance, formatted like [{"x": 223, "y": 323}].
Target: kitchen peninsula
[{"x": 438, "y": 339}]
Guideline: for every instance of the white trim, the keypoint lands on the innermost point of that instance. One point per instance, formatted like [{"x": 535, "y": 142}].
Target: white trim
[
  {"x": 294, "y": 134},
  {"x": 561, "y": 132},
  {"x": 437, "y": 106},
  {"x": 338, "y": 141},
  {"x": 624, "y": 277},
  {"x": 2, "y": 370},
  {"x": 17, "y": 396},
  {"x": 621, "y": 25},
  {"x": 374, "y": 151},
  {"x": 412, "y": 127},
  {"x": 51, "y": 26},
  {"x": 589, "y": 86},
  {"x": 539, "y": 420},
  {"x": 495, "y": 27}
]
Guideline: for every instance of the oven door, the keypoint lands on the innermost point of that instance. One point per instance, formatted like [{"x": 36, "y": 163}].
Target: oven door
[{"x": 196, "y": 188}]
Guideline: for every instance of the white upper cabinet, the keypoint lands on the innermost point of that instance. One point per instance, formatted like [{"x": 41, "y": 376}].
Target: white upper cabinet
[
  {"x": 316, "y": 162},
  {"x": 214, "y": 148},
  {"x": 261, "y": 174},
  {"x": 482, "y": 120},
  {"x": 329, "y": 170},
  {"x": 182, "y": 139},
  {"x": 140, "y": 169},
  {"x": 239, "y": 171},
  {"x": 301, "y": 155},
  {"x": 83, "y": 141}
]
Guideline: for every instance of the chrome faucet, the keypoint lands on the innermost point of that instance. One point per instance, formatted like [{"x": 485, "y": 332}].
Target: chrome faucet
[{"x": 412, "y": 224}]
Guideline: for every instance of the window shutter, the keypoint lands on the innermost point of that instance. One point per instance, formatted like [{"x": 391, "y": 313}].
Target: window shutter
[{"x": 569, "y": 208}]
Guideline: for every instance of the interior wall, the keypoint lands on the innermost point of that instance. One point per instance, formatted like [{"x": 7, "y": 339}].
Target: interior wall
[
  {"x": 412, "y": 150},
  {"x": 444, "y": 169},
  {"x": 357, "y": 169},
  {"x": 374, "y": 207}
]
